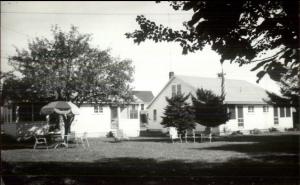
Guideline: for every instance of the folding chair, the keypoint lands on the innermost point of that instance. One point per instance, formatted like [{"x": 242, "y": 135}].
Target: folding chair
[
  {"x": 83, "y": 138},
  {"x": 39, "y": 137},
  {"x": 190, "y": 134},
  {"x": 206, "y": 136}
]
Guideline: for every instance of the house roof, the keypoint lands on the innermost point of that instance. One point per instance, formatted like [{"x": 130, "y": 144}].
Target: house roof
[
  {"x": 237, "y": 91},
  {"x": 145, "y": 96}
]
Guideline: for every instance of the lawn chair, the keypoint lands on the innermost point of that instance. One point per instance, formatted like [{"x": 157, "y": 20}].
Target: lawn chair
[
  {"x": 206, "y": 136},
  {"x": 190, "y": 134},
  {"x": 120, "y": 135},
  {"x": 82, "y": 137},
  {"x": 39, "y": 137},
  {"x": 174, "y": 134}
]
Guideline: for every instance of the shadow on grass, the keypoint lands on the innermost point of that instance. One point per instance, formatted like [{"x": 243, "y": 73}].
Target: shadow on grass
[
  {"x": 260, "y": 144},
  {"x": 10, "y": 143},
  {"x": 269, "y": 151},
  {"x": 149, "y": 171}
]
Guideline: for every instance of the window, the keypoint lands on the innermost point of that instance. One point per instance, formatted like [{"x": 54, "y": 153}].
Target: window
[
  {"x": 142, "y": 106},
  {"x": 265, "y": 108},
  {"x": 133, "y": 112},
  {"x": 250, "y": 108},
  {"x": 281, "y": 111},
  {"x": 154, "y": 115},
  {"x": 173, "y": 90},
  {"x": 178, "y": 89},
  {"x": 288, "y": 112},
  {"x": 98, "y": 109},
  {"x": 232, "y": 111}
]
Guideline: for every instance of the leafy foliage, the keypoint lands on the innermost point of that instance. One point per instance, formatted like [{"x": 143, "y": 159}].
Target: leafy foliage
[
  {"x": 209, "y": 108},
  {"x": 178, "y": 113},
  {"x": 68, "y": 68},
  {"x": 290, "y": 88},
  {"x": 240, "y": 31}
]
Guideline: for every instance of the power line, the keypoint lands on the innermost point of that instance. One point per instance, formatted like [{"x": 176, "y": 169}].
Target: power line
[
  {"x": 77, "y": 13},
  {"x": 15, "y": 31}
]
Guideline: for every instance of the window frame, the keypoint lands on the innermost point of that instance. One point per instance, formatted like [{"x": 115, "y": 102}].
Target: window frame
[
  {"x": 98, "y": 109},
  {"x": 232, "y": 114},
  {"x": 178, "y": 90},
  {"x": 265, "y": 108},
  {"x": 173, "y": 90},
  {"x": 133, "y": 112},
  {"x": 250, "y": 108},
  {"x": 154, "y": 114}
]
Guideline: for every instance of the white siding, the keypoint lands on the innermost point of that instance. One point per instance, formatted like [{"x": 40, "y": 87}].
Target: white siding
[
  {"x": 160, "y": 103},
  {"x": 257, "y": 120},
  {"x": 99, "y": 124},
  {"x": 95, "y": 124}
]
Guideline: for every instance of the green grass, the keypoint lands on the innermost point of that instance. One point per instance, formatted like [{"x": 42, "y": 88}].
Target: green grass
[{"x": 232, "y": 160}]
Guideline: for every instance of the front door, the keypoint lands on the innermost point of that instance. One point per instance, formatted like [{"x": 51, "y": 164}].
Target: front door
[
  {"x": 276, "y": 121},
  {"x": 114, "y": 117},
  {"x": 240, "y": 116}
]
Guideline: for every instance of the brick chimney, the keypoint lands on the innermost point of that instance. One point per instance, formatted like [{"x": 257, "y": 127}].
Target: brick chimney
[{"x": 171, "y": 74}]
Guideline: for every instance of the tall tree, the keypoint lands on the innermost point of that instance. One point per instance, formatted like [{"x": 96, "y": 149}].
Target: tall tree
[
  {"x": 178, "y": 113},
  {"x": 209, "y": 108},
  {"x": 68, "y": 68},
  {"x": 240, "y": 31}
]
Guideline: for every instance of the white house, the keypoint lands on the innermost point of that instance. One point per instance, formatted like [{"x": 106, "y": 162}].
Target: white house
[
  {"x": 98, "y": 120},
  {"x": 246, "y": 102}
]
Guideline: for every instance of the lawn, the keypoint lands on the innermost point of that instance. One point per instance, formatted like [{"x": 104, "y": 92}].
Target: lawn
[{"x": 270, "y": 159}]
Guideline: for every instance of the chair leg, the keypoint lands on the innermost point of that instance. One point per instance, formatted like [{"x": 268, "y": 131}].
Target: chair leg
[
  {"x": 87, "y": 141},
  {"x": 82, "y": 142}
]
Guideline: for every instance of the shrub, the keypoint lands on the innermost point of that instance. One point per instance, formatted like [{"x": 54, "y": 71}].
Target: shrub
[
  {"x": 237, "y": 133},
  {"x": 291, "y": 129},
  {"x": 255, "y": 131},
  {"x": 110, "y": 134},
  {"x": 273, "y": 129}
]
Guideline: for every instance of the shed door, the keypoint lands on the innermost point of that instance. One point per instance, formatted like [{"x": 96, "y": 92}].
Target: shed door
[{"x": 114, "y": 117}]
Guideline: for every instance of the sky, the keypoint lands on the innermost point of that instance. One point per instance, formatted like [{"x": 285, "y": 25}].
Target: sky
[{"x": 108, "y": 22}]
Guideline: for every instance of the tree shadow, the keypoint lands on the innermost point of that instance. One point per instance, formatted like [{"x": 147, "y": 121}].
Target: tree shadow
[
  {"x": 10, "y": 143},
  {"x": 278, "y": 150},
  {"x": 261, "y": 144},
  {"x": 150, "y": 171}
]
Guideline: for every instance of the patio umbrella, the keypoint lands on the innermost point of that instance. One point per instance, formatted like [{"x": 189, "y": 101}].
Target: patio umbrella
[{"x": 60, "y": 107}]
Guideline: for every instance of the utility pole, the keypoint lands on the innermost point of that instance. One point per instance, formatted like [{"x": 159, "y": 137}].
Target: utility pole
[{"x": 222, "y": 76}]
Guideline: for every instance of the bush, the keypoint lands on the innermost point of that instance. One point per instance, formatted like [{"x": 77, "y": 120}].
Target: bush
[
  {"x": 110, "y": 134},
  {"x": 273, "y": 129},
  {"x": 237, "y": 133},
  {"x": 291, "y": 129},
  {"x": 255, "y": 131}
]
